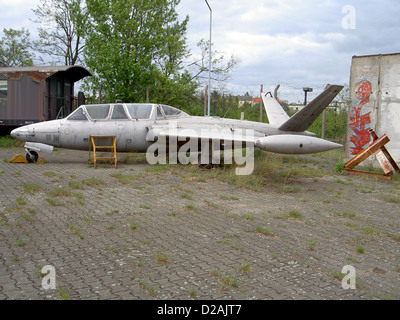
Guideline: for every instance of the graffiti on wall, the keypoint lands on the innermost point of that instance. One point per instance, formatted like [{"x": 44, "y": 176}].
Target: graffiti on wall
[{"x": 359, "y": 118}]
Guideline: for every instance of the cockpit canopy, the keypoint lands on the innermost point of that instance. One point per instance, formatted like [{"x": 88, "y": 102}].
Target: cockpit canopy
[{"x": 128, "y": 111}]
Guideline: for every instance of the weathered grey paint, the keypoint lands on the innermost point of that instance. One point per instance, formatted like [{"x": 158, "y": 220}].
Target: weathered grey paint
[{"x": 375, "y": 95}]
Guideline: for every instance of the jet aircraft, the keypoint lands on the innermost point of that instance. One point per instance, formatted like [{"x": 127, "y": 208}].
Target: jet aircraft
[{"x": 137, "y": 126}]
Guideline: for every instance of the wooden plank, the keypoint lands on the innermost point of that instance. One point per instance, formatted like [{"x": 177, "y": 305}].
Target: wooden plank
[
  {"x": 370, "y": 150},
  {"x": 385, "y": 152},
  {"x": 357, "y": 172}
]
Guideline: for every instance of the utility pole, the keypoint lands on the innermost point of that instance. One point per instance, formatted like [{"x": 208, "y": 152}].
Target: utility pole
[
  {"x": 323, "y": 124},
  {"x": 205, "y": 100},
  {"x": 209, "y": 62},
  {"x": 261, "y": 104}
]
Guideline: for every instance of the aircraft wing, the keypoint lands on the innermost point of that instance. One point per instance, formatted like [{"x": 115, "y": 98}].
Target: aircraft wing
[
  {"x": 306, "y": 116},
  {"x": 201, "y": 133}
]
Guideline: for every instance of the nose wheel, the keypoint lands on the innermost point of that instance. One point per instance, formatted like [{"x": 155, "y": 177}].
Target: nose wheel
[{"x": 31, "y": 156}]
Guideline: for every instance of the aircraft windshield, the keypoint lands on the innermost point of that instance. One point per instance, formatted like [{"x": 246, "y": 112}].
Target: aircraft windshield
[
  {"x": 98, "y": 111},
  {"x": 171, "y": 111},
  {"x": 119, "y": 112},
  {"x": 78, "y": 115},
  {"x": 139, "y": 111}
]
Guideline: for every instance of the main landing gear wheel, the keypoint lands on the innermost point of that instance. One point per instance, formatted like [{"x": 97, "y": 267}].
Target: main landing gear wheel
[{"x": 32, "y": 156}]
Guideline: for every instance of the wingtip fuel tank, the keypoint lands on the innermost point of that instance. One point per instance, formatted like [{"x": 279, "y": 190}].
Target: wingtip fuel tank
[{"x": 295, "y": 144}]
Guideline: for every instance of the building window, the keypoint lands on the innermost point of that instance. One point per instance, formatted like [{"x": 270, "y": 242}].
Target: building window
[{"x": 3, "y": 90}]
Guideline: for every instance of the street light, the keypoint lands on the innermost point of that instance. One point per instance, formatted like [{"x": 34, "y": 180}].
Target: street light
[
  {"x": 209, "y": 62},
  {"x": 305, "y": 94}
]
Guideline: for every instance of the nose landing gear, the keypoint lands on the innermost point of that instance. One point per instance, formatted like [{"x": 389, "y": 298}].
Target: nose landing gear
[{"x": 31, "y": 156}]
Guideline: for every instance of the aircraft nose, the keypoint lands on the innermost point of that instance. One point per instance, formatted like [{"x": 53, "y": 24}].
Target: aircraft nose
[
  {"x": 20, "y": 133},
  {"x": 15, "y": 133}
]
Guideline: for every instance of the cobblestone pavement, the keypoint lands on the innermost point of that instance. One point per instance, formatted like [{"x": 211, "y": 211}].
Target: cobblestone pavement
[{"x": 165, "y": 232}]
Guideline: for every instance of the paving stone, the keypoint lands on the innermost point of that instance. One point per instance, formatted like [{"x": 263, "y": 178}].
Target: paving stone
[{"x": 106, "y": 246}]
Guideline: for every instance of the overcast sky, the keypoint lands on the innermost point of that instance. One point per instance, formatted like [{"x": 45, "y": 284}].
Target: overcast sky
[{"x": 292, "y": 43}]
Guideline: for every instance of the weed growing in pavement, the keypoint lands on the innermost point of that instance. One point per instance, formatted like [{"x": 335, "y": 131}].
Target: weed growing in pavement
[
  {"x": 123, "y": 178},
  {"x": 60, "y": 192},
  {"x": 193, "y": 293},
  {"x": 264, "y": 231},
  {"x": 20, "y": 242},
  {"x": 162, "y": 258},
  {"x": 244, "y": 268},
  {"x": 312, "y": 244},
  {"x": 32, "y": 188},
  {"x": 93, "y": 182},
  {"x": 53, "y": 202},
  {"x": 227, "y": 282}
]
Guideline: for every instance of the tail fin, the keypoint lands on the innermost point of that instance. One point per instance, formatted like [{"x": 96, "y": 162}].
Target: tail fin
[
  {"x": 276, "y": 114},
  {"x": 306, "y": 116}
]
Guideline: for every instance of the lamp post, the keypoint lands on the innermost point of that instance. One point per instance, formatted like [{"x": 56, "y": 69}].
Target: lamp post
[
  {"x": 209, "y": 62},
  {"x": 305, "y": 94}
]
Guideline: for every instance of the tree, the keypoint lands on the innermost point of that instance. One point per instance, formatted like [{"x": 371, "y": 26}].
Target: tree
[
  {"x": 221, "y": 68},
  {"x": 134, "y": 46},
  {"x": 14, "y": 48},
  {"x": 63, "y": 29}
]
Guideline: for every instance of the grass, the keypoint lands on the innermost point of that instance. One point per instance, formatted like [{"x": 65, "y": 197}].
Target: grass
[
  {"x": 264, "y": 231},
  {"x": 122, "y": 178},
  {"x": 158, "y": 168},
  {"x": 27, "y": 217},
  {"x": 20, "y": 243},
  {"x": 244, "y": 268},
  {"x": 292, "y": 214},
  {"x": 289, "y": 189},
  {"x": 63, "y": 294},
  {"x": 271, "y": 169},
  {"x": 133, "y": 225},
  {"x": 391, "y": 199},
  {"x": 189, "y": 207},
  {"x": 248, "y": 216},
  {"x": 193, "y": 293},
  {"x": 9, "y": 142},
  {"x": 32, "y": 188},
  {"x": 21, "y": 201},
  {"x": 60, "y": 192},
  {"x": 109, "y": 213},
  {"x": 350, "y": 215},
  {"x": 226, "y": 281},
  {"x": 73, "y": 228},
  {"x": 53, "y": 202},
  {"x": 148, "y": 288},
  {"x": 162, "y": 258},
  {"x": 75, "y": 185},
  {"x": 312, "y": 244},
  {"x": 50, "y": 174},
  {"x": 360, "y": 250},
  {"x": 93, "y": 182},
  {"x": 211, "y": 204},
  {"x": 186, "y": 196}
]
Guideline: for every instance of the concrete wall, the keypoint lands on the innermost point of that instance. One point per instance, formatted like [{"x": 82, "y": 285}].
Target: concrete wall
[{"x": 375, "y": 95}]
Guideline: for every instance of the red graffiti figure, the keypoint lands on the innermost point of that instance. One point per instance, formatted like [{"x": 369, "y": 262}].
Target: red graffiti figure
[{"x": 359, "y": 122}]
